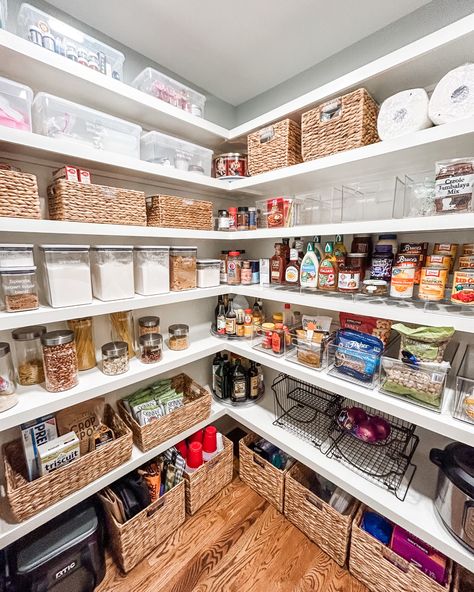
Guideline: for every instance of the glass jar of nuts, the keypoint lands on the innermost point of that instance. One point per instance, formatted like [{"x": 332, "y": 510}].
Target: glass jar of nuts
[
  {"x": 151, "y": 347},
  {"x": 60, "y": 360},
  {"x": 178, "y": 336},
  {"x": 115, "y": 359}
]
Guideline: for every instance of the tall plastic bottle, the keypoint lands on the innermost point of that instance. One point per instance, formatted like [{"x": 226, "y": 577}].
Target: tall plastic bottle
[{"x": 309, "y": 269}]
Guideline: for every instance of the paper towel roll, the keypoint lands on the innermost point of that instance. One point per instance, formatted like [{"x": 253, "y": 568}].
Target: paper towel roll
[
  {"x": 453, "y": 96},
  {"x": 403, "y": 113}
]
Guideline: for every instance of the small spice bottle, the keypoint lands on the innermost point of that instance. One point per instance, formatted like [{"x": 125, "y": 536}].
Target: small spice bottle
[
  {"x": 234, "y": 266},
  {"x": 115, "y": 358},
  {"x": 8, "y": 397},
  {"x": 252, "y": 218},
  {"x": 232, "y": 218},
  {"x": 29, "y": 354},
  {"x": 243, "y": 218},
  {"x": 60, "y": 360},
  {"x": 246, "y": 273},
  {"x": 151, "y": 347},
  {"x": 178, "y": 336},
  {"x": 223, "y": 220},
  {"x": 148, "y": 325},
  {"x": 19, "y": 287}
]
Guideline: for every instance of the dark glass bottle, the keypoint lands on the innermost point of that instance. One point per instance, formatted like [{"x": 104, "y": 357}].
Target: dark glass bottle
[
  {"x": 238, "y": 392},
  {"x": 230, "y": 319},
  {"x": 215, "y": 365},
  {"x": 221, "y": 379},
  {"x": 253, "y": 387},
  {"x": 220, "y": 300}
]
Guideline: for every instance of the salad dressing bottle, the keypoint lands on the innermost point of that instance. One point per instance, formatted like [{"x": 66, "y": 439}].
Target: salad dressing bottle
[
  {"x": 328, "y": 269},
  {"x": 309, "y": 268}
]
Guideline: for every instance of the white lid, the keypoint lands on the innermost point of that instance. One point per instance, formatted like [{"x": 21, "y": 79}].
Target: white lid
[
  {"x": 64, "y": 247},
  {"x": 112, "y": 248},
  {"x": 208, "y": 261},
  {"x": 19, "y": 269},
  {"x": 151, "y": 248},
  {"x": 15, "y": 246},
  {"x": 190, "y": 248}
]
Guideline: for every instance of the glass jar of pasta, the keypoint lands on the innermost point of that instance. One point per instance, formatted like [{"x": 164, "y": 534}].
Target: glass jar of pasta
[
  {"x": 83, "y": 336},
  {"x": 29, "y": 355}
]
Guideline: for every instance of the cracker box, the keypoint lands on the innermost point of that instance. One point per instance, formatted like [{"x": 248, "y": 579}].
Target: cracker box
[
  {"x": 57, "y": 453},
  {"x": 34, "y": 434}
]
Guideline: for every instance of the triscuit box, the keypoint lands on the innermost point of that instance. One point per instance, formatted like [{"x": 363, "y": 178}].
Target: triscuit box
[
  {"x": 35, "y": 433},
  {"x": 57, "y": 453}
]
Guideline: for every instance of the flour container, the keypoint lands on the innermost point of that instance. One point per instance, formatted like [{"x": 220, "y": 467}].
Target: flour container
[
  {"x": 67, "y": 276},
  {"x": 112, "y": 272}
]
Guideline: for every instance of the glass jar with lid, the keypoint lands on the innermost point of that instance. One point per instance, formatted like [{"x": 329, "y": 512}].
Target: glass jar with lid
[
  {"x": 234, "y": 267},
  {"x": 208, "y": 273},
  {"x": 183, "y": 261},
  {"x": 123, "y": 329},
  {"x": 112, "y": 272},
  {"x": 8, "y": 397},
  {"x": 223, "y": 220},
  {"x": 388, "y": 239},
  {"x": 16, "y": 255},
  {"x": 178, "y": 336},
  {"x": 67, "y": 275},
  {"x": 362, "y": 243},
  {"x": 382, "y": 262},
  {"x": 151, "y": 348},
  {"x": 242, "y": 218},
  {"x": 19, "y": 287},
  {"x": 84, "y": 342},
  {"x": 115, "y": 358},
  {"x": 29, "y": 354},
  {"x": 146, "y": 325},
  {"x": 358, "y": 260},
  {"x": 60, "y": 360},
  {"x": 151, "y": 270}
]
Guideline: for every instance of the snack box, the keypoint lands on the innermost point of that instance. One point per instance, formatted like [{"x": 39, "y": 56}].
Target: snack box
[
  {"x": 58, "y": 452},
  {"x": 35, "y": 433}
]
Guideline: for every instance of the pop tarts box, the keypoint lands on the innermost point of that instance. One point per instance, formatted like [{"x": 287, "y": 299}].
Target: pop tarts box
[{"x": 35, "y": 433}]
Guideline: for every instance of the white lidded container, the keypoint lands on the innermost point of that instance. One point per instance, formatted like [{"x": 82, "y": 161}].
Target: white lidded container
[
  {"x": 65, "y": 120},
  {"x": 67, "y": 275},
  {"x": 168, "y": 151},
  {"x": 151, "y": 269},
  {"x": 15, "y": 103},
  {"x": 16, "y": 255},
  {"x": 112, "y": 272},
  {"x": 208, "y": 273}
]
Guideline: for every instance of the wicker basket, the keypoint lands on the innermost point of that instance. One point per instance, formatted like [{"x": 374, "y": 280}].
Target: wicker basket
[
  {"x": 136, "y": 538},
  {"x": 196, "y": 408},
  {"x": 329, "y": 529},
  {"x": 18, "y": 195},
  {"x": 209, "y": 479},
  {"x": 260, "y": 475},
  {"x": 26, "y": 498},
  {"x": 380, "y": 569},
  {"x": 463, "y": 580},
  {"x": 78, "y": 202},
  {"x": 353, "y": 124},
  {"x": 168, "y": 211},
  {"x": 273, "y": 147}
]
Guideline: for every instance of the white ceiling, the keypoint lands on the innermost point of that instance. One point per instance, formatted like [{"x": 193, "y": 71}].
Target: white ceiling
[{"x": 238, "y": 49}]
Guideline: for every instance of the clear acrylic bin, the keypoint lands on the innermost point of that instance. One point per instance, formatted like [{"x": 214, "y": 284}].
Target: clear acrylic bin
[
  {"x": 417, "y": 192},
  {"x": 276, "y": 345},
  {"x": 353, "y": 365},
  {"x": 168, "y": 151},
  {"x": 371, "y": 200},
  {"x": 285, "y": 212},
  {"x": 464, "y": 401},
  {"x": 15, "y": 103},
  {"x": 171, "y": 91},
  {"x": 312, "y": 353},
  {"x": 58, "y": 118},
  {"x": 3, "y": 14},
  {"x": 52, "y": 34}
]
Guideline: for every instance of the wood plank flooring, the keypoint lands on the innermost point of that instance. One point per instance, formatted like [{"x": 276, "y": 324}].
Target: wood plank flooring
[{"x": 236, "y": 543}]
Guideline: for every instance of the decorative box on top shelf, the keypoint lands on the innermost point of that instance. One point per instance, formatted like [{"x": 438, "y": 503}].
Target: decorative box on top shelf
[
  {"x": 169, "y": 211},
  {"x": 19, "y": 196},
  {"x": 15, "y": 103},
  {"x": 274, "y": 147},
  {"x": 464, "y": 400}
]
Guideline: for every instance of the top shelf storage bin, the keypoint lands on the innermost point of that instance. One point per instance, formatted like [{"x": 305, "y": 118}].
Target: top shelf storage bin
[
  {"x": 54, "y": 35},
  {"x": 15, "y": 104},
  {"x": 171, "y": 91}
]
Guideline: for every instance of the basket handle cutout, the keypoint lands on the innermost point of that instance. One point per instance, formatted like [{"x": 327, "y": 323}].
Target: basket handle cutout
[
  {"x": 158, "y": 506},
  {"x": 266, "y": 134},
  {"x": 395, "y": 560},
  {"x": 314, "y": 501},
  {"x": 331, "y": 110},
  {"x": 258, "y": 461}
]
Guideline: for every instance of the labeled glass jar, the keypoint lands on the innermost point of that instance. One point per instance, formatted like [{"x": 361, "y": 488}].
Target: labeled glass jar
[
  {"x": 349, "y": 278},
  {"x": 234, "y": 268},
  {"x": 16, "y": 255},
  {"x": 358, "y": 260},
  {"x": 246, "y": 273},
  {"x": 253, "y": 218},
  {"x": 362, "y": 243},
  {"x": 223, "y": 267},
  {"x": 267, "y": 330},
  {"x": 112, "y": 272},
  {"x": 208, "y": 273},
  {"x": 151, "y": 348},
  {"x": 183, "y": 268},
  {"x": 122, "y": 329},
  {"x": 67, "y": 275},
  {"x": 148, "y": 325},
  {"x": 60, "y": 360},
  {"x": 382, "y": 262},
  {"x": 223, "y": 220},
  {"x": 375, "y": 287},
  {"x": 242, "y": 218},
  {"x": 115, "y": 358},
  {"x": 19, "y": 288},
  {"x": 29, "y": 354},
  {"x": 178, "y": 336},
  {"x": 151, "y": 267},
  {"x": 84, "y": 339}
]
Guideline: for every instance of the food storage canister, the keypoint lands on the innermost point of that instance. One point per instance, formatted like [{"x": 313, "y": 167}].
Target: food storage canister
[
  {"x": 84, "y": 342},
  {"x": 16, "y": 255},
  {"x": 122, "y": 329},
  {"x": 151, "y": 270},
  {"x": 60, "y": 360},
  {"x": 67, "y": 276},
  {"x": 19, "y": 287},
  {"x": 208, "y": 273},
  {"x": 234, "y": 268},
  {"x": 183, "y": 268},
  {"x": 29, "y": 354},
  {"x": 151, "y": 347},
  {"x": 148, "y": 324},
  {"x": 115, "y": 358},
  {"x": 8, "y": 396},
  {"x": 178, "y": 336},
  {"x": 112, "y": 272}
]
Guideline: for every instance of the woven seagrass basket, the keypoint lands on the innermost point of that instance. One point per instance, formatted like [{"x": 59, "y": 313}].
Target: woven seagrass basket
[
  {"x": 274, "y": 147},
  {"x": 169, "y": 211},
  {"x": 463, "y": 580},
  {"x": 18, "y": 195}
]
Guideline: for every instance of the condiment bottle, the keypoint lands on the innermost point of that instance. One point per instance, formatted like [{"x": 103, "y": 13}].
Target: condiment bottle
[
  {"x": 340, "y": 250},
  {"x": 246, "y": 273},
  {"x": 254, "y": 381},
  {"x": 257, "y": 317},
  {"x": 318, "y": 248},
  {"x": 277, "y": 265},
  {"x": 309, "y": 268},
  {"x": 328, "y": 269},
  {"x": 298, "y": 244},
  {"x": 292, "y": 271},
  {"x": 232, "y": 218},
  {"x": 239, "y": 383},
  {"x": 234, "y": 265},
  {"x": 285, "y": 251},
  {"x": 223, "y": 267},
  {"x": 230, "y": 319},
  {"x": 382, "y": 261},
  {"x": 239, "y": 326},
  {"x": 362, "y": 243},
  {"x": 248, "y": 325}
]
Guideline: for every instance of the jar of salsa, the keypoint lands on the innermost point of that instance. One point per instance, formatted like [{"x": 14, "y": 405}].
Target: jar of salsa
[
  {"x": 349, "y": 278},
  {"x": 358, "y": 260}
]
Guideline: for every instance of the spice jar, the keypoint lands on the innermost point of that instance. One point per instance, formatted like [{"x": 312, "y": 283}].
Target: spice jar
[
  {"x": 115, "y": 358},
  {"x": 246, "y": 273},
  {"x": 223, "y": 267},
  {"x": 223, "y": 220},
  {"x": 232, "y": 218},
  {"x": 16, "y": 256},
  {"x": 362, "y": 243},
  {"x": 29, "y": 354},
  {"x": 148, "y": 325},
  {"x": 122, "y": 329},
  {"x": 234, "y": 265},
  {"x": 151, "y": 347},
  {"x": 84, "y": 342},
  {"x": 8, "y": 397},
  {"x": 208, "y": 273},
  {"x": 19, "y": 288},
  {"x": 112, "y": 272},
  {"x": 348, "y": 277},
  {"x": 67, "y": 274},
  {"x": 242, "y": 218},
  {"x": 178, "y": 336},
  {"x": 151, "y": 270},
  {"x": 382, "y": 261},
  {"x": 60, "y": 360},
  {"x": 183, "y": 268},
  {"x": 252, "y": 218}
]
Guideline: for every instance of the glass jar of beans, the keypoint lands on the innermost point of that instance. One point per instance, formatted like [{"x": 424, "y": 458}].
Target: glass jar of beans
[{"x": 60, "y": 360}]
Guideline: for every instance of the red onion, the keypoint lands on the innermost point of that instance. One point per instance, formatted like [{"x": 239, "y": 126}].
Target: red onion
[
  {"x": 350, "y": 417},
  {"x": 381, "y": 426},
  {"x": 366, "y": 431}
]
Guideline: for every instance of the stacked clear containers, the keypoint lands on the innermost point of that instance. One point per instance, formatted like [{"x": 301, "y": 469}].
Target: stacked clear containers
[
  {"x": 112, "y": 272},
  {"x": 16, "y": 255},
  {"x": 66, "y": 272},
  {"x": 168, "y": 151},
  {"x": 183, "y": 266},
  {"x": 151, "y": 269},
  {"x": 29, "y": 356},
  {"x": 65, "y": 120},
  {"x": 15, "y": 103},
  {"x": 52, "y": 34},
  {"x": 171, "y": 91}
]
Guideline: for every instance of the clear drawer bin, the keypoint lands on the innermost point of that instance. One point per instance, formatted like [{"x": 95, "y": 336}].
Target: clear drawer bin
[
  {"x": 58, "y": 118},
  {"x": 168, "y": 151},
  {"x": 311, "y": 353},
  {"x": 171, "y": 91},
  {"x": 285, "y": 212},
  {"x": 15, "y": 103},
  {"x": 371, "y": 200},
  {"x": 464, "y": 403},
  {"x": 52, "y": 34}
]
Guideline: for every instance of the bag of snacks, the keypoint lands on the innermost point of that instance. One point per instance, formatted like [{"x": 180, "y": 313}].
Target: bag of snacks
[
  {"x": 423, "y": 344},
  {"x": 370, "y": 325},
  {"x": 357, "y": 354}
]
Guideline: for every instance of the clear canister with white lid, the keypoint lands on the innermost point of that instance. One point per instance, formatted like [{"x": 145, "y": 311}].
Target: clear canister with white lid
[
  {"x": 112, "y": 272},
  {"x": 183, "y": 268},
  {"x": 208, "y": 273},
  {"x": 8, "y": 396},
  {"x": 29, "y": 354},
  {"x": 16, "y": 255},
  {"x": 19, "y": 288},
  {"x": 151, "y": 270}
]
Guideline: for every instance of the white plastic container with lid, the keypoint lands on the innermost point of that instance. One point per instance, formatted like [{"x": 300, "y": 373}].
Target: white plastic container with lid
[
  {"x": 168, "y": 151},
  {"x": 65, "y": 120},
  {"x": 208, "y": 273},
  {"x": 388, "y": 239},
  {"x": 112, "y": 272},
  {"x": 15, "y": 103},
  {"x": 16, "y": 255},
  {"x": 151, "y": 270},
  {"x": 19, "y": 288},
  {"x": 183, "y": 273},
  {"x": 171, "y": 91}
]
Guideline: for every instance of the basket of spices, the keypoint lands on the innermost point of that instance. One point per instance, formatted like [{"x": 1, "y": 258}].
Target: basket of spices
[
  {"x": 18, "y": 195},
  {"x": 169, "y": 211},
  {"x": 274, "y": 147}
]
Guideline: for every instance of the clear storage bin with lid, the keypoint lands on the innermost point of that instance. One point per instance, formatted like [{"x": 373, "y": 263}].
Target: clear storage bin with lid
[
  {"x": 29, "y": 355},
  {"x": 55, "y": 35},
  {"x": 16, "y": 255},
  {"x": 66, "y": 274},
  {"x": 60, "y": 360},
  {"x": 15, "y": 102},
  {"x": 183, "y": 268},
  {"x": 151, "y": 270},
  {"x": 65, "y": 120},
  {"x": 19, "y": 288},
  {"x": 168, "y": 151},
  {"x": 158, "y": 85},
  {"x": 112, "y": 272},
  {"x": 178, "y": 336},
  {"x": 208, "y": 273},
  {"x": 115, "y": 358}
]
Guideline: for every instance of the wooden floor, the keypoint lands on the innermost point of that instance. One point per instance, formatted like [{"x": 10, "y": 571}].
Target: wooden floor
[{"x": 236, "y": 543}]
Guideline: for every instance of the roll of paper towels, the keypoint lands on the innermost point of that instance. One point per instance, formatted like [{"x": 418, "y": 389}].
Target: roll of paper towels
[
  {"x": 453, "y": 96},
  {"x": 403, "y": 113}
]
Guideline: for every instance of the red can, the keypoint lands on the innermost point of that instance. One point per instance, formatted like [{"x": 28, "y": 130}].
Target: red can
[{"x": 231, "y": 165}]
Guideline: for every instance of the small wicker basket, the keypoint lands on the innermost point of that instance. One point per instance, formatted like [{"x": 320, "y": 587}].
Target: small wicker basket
[
  {"x": 19, "y": 195},
  {"x": 210, "y": 478},
  {"x": 274, "y": 147},
  {"x": 78, "y": 202},
  {"x": 169, "y": 211},
  {"x": 196, "y": 408},
  {"x": 341, "y": 124},
  {"x": 463, "y": 580},
  {"x": 27, "y": 498}
]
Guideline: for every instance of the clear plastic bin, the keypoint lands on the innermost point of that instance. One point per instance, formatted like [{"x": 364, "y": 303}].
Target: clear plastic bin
[
  {"x": 208, "y": 273},
  {"x": 152, "y": 270},
  {"x": 58, "y": 118},
  {"x": 276, "y": 341},
  {"x": 171, "y": 91},
  {"x": 15, "y": 103},
  {"x": 312, "y": 353},
  {"x": 52, "y": 34},
  {"x": 19, "y": 288},
  {"x": 112, "y": 272},
  {"x": 3, "y": 14},
  {"x": 183, "y": 268},
  {"x": 416, "y": 195},
  {"x": 168, "y": 151},
  {"x": 371, "y": 200},
  {"x": 464, "y": 403},
  {"x": 285, "y": 212},
  {"x": 353, "y": 365}
]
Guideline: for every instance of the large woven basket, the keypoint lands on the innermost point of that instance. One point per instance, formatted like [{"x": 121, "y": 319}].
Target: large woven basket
[
  {"x": 135, "y": 539},
  {"x": 380, "y": 569},
  {"x": 329, "y": 529},
  {"x": 209, "y": 479},
  {"x": 26, "y": 498},
  {"x": 78, "y": 202},
  {"x": 463, "y": 580},
  {"x": 18, "y": 195},
  {"x": 273, "y": 147},
  {"x": 169, "y": 211},
  {"x": 341, "y": 124},
  {"x": 196, "y": 408}
]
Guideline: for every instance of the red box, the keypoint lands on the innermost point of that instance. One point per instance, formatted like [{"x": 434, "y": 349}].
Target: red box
[
  {"x": 84, "y": 176},
  {"x": 66, "y": 172}
]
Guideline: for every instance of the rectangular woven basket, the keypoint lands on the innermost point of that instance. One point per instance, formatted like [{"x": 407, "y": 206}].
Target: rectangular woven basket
[
  {"x": 340, "y": 124},
  {"x": 169, "y": 211},
  {"x": 135, "y": 539},
  {"x": 196, "y": 408},
  {"x": 27, "y": 498},
  {"x": 19, "y": 195},
  {"x": 463, "y": 580},
  {"x": 78, "y": 202},
  {"x": 210, "y": 478},
  {"x": 274, "y": 147},
  {"x": 324, "y": 525},
  {"x": 380, "y": 569}
]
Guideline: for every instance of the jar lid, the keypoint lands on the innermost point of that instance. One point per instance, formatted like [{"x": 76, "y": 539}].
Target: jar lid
[
  {"x": 222, "y": 212},
  {"x": 204, "y": 262},
  {"x": 183, "y": 248},
  {"x": 112, "y": 248},
  {"x": 234, "y": 253},
  {"x": 150, "y": 321},
  {"x": 150, "y": 339},
  {"x": 232, "y": 209},
  {"x": 233, "y": 154},
  {"x": 28, "y": 333},
  {"x": 151, "y": 248},
  {"x": 64, "y": 247},
  {"x": 387, "y": 236},
  {"x": 17, "y": 270},
  {"x": 115, "y": 348},
  {"x": 60, "y": 337},
  {"x": 375, "y": 283},
  {"x": 16, "y": 247},
  {"x": 383, "y": 249},
  {"x": 243, "y": 209},
  {"x": 354, "y": 255},
  {"x": 178, "y": 330},
  {"x": 4, "y": 349},
  {"x": 252, "y": 209}
]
